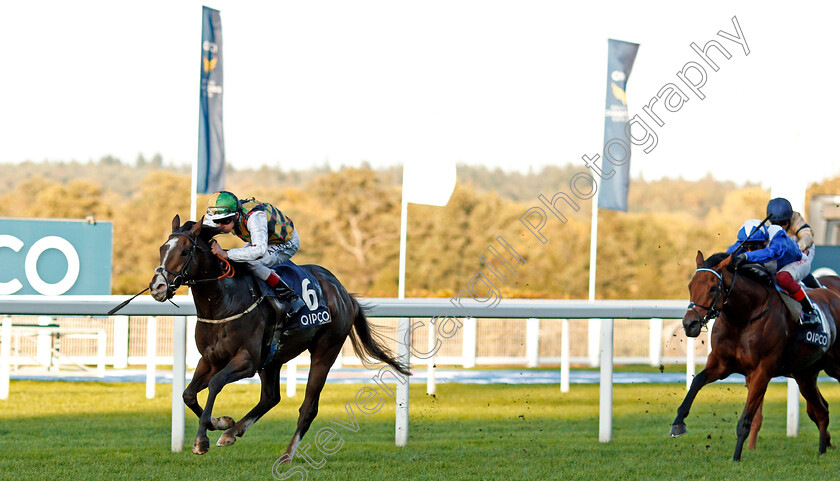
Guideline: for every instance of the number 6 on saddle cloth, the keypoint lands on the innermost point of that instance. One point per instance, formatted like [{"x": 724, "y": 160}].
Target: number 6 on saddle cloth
[{"x": 305, "y": 285}]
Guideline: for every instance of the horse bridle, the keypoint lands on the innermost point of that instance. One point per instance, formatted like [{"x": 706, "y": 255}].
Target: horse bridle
[
  {"x": 181, "y": 278},
  {"x": 712, "y": 310}
]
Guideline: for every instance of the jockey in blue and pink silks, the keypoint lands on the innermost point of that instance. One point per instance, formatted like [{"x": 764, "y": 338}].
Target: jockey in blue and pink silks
[{"x": 771, "y": 247}]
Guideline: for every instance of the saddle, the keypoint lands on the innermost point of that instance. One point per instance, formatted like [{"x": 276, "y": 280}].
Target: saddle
[
  {"x": 314, "y": 313},
  {"x": 305, "y": 285},
  {"x": 821, "y": 334},
  {"x": 757, "y": 273}
]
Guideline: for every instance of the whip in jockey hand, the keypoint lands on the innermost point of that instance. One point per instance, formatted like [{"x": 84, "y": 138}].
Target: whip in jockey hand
[
  {"x": 771, "y": 247},
  {"x": 271, "y": 239}
]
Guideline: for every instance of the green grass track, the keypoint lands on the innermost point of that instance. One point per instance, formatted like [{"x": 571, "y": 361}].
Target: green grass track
[{"x": 99, "y": 431}]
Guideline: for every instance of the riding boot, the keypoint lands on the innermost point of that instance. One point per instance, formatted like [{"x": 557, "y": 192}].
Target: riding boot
[
  {"x": 809, "y": 313},
  {"x": 286, "y": 294},
  {"x": 812, "y": 282}
]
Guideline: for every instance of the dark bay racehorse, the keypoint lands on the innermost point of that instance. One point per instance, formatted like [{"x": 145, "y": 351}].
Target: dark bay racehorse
[
  {"x": 755, "y": 335},
  {"x": 236, "y": 324}
]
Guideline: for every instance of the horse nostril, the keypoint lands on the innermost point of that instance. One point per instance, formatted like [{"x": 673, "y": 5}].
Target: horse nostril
[
  {"x": 157, "y": 284},
  {"x": 692, "y": 329}
]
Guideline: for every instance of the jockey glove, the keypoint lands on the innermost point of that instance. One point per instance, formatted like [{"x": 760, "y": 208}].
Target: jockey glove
[{"x": 737, "y": 260}]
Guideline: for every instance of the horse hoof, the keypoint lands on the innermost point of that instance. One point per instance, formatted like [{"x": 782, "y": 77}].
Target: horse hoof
[
  {"x": 677, "y": 430},
  {"x": 222, "y": 423},
  {"x": 201, "y": 447},
  {"x": 225, "y": 440}
]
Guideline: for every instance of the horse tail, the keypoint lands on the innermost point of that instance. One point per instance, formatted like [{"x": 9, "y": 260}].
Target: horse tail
[{"x": 368, "y": 343}]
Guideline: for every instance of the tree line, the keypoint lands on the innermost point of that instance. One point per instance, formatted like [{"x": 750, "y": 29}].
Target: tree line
[{"x": 348, "y": 220}]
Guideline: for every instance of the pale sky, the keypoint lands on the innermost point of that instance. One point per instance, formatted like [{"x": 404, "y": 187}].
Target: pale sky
[{"x": 513, "y": 84}]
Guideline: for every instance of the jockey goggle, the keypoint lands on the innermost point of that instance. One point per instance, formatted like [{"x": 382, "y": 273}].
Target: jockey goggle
[
  {"x": 224, "y": 221},
  {"x": 218, "y": 210}
]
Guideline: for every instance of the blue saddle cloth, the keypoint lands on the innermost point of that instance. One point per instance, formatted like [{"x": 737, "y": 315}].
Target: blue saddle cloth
[
  {"x": 821, "y": 334},
  {"x": 305, "y": 285}
]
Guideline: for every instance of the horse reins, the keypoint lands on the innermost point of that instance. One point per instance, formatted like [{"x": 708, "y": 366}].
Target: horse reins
[
  {"x": 712, "y": 311},
  {"x": 180, "y": 278}
]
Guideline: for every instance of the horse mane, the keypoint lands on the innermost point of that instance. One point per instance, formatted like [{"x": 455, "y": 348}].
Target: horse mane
[
  {"x": 206, "y": 235},
  {"x": 186, "y": 226},
  {"x": 715, "y": 259},
  {"x": 207, "y": 231},
  {"x": 752, "y": 271}
]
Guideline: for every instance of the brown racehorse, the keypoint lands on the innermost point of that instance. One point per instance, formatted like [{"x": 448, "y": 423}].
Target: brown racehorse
[
  {"x": 830, "y": 282},
  {"x": 755, "y": 335},
  {"x": 236, "y": 324}
]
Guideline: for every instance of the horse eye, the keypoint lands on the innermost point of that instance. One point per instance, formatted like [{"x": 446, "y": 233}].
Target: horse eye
[
  {"x": 184, "y": 253},
  {"x": 713, "y": 289}
]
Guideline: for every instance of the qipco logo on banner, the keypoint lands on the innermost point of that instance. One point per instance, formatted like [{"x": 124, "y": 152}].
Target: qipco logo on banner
[
  {"x": 31, "y": 265},
  {"x": 55, "y": 257}
]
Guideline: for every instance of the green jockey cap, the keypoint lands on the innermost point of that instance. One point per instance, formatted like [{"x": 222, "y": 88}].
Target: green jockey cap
[{"x": 222, "y": 204}]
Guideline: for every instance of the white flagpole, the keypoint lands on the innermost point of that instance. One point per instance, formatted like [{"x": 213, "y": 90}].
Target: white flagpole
[
  {"x": 403, "y": 334},
  {"x": 594, "y": 324},
  {"x": 593, "y": 246},
  {"x": 444, "y": 183},
  {"x": 403, "y": 229},
  {"x": 179, "y": 356},
  {"x": 600, "y": 339},
  {"x": 193, "y": 189}
]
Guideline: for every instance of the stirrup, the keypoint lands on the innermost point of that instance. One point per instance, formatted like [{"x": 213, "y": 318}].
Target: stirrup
[
  {"x": 295, "y": 305},
  {"x": 287, "y": 295}
]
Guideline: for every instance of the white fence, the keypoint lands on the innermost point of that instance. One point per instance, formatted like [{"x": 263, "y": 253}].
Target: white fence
[
  {"x": 462, "y": 321},
  {"x": 66, "y": 340}
]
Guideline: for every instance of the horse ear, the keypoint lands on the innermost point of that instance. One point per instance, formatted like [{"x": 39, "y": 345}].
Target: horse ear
[
  {"x": 196, "y": 229},
  {"x": 699, "y": 259},
  {"x": 176, "y": 222}
]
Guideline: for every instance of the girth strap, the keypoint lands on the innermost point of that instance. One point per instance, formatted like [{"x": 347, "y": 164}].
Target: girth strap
[{"x": 237, "y": 316}]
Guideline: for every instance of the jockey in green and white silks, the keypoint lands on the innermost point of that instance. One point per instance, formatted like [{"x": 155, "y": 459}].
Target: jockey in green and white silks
[{"x": 271, "y": 238}]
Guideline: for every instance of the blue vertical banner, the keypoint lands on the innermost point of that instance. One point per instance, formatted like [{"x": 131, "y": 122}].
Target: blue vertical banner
[
  {"x": 614, "y": 189},
  {"x": 211, "y": 138}
]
